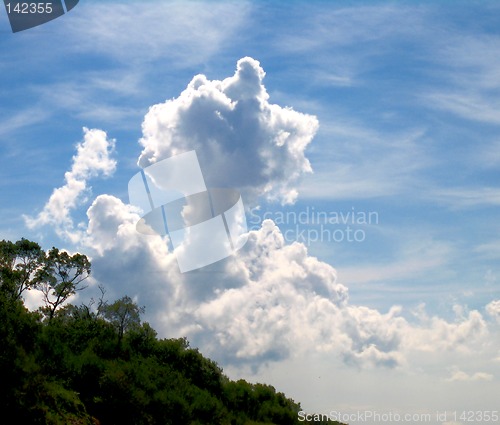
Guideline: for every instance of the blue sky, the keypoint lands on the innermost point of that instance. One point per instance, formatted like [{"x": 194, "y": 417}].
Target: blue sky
[{"x": 407, "y": 96}]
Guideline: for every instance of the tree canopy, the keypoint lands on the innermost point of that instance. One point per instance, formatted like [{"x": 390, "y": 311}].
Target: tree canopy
[{"x": 100, "y": 364}]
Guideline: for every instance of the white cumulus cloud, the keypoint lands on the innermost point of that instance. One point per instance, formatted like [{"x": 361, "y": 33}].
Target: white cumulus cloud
[
  {"x": 241, "y": 139},
  {"x": 92, "y": 159},
  {"x": 493, "y": 309},
  {"x": 459, "y": 375},
  {"x": 271, "y": 302}
]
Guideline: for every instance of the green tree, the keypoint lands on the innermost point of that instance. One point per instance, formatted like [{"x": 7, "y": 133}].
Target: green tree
[
  {"x": 18, "y": 335},
  {"x": 19, "y": 264},
  {"x": 124, "y": 314},
  {"x": 60, "y": 277}
]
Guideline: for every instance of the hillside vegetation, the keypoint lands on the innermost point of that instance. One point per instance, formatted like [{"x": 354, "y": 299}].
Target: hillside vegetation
[{"x": 99, "y": 364}]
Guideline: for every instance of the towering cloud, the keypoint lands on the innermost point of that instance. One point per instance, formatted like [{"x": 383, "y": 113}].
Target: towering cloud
[{"x": 241, "y": 139}]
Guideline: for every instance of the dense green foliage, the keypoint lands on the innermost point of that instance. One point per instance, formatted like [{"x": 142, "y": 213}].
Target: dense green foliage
[{"x": 100, "y": 365}]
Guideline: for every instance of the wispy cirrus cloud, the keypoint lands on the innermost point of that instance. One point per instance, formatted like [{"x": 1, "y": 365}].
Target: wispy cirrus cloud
[
  {"x": 349, "y": 38},
  {"x": 13, "y": 121},
  {"x": 94, "y": 99},
  {"x": 471, "y": 106},
  {"x": 469, "y": 67},
  {"x": 136, "y": 33},
  {"x": 463, "y": 198},
  {"x": 364, "y": 163},
  {"x": 416, "y": 257}
]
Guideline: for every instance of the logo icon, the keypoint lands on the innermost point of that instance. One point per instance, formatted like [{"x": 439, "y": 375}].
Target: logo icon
[
  {"x": 24, "y": 15},
  {"x": 204, "y": 225}
]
